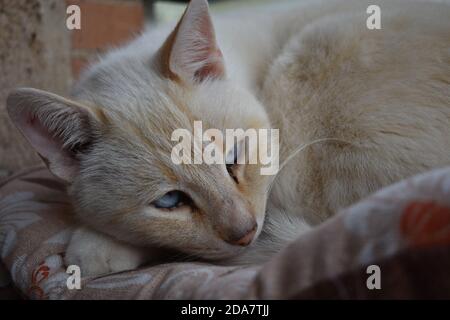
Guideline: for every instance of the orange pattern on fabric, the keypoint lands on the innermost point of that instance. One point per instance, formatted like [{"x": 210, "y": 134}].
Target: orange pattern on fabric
[
  {"x": 38, "y": 275},
  {"x": 426, "y": 223}
]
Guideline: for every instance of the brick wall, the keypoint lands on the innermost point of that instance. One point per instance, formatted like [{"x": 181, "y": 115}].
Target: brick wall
[{"x": 104, "y": 24}]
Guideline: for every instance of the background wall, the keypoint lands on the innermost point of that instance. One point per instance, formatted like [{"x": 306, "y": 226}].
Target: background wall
[
  {"x": 32, "y": 53},
  {"x": 104, "y": 24},
  {"x": 37, "y": 50}
]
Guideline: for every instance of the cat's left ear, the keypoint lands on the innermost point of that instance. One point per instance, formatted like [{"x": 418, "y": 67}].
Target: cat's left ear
[
  {"x": 60, "y": 130},
  {"x": 191, "y": 53}
]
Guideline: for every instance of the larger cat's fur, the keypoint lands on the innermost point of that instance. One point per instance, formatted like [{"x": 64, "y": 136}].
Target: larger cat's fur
[{"x": 381, "y": 97}]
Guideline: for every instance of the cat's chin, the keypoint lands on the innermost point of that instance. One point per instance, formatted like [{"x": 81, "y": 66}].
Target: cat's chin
[
  {"x": 231, "y": 253},
  {"x": 217, "y": 256},
  {"x": 214, "y": 255}
]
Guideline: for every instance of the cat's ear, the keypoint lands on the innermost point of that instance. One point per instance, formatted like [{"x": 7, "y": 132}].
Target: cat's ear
[
  {"x": 57, "y": 128},
  {"x": 191, "y": 53}
]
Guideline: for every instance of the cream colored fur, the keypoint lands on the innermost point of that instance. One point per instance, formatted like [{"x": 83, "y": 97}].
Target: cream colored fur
[{"x": 378, "y": 99}]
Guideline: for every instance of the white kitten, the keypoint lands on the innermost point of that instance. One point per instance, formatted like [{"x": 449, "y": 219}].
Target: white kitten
[{"x": 378, "y": 100}]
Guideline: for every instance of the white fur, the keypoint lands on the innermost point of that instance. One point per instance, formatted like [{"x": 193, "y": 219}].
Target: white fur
[
  {"x": 97, "y": 254},
  {"x": 376, "y": 103}
]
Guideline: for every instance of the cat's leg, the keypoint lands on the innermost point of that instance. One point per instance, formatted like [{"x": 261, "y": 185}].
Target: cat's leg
[{"x": 98, "y": 254}]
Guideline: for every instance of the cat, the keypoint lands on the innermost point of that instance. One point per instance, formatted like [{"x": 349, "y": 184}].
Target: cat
[{"x": 357, "y": 110}]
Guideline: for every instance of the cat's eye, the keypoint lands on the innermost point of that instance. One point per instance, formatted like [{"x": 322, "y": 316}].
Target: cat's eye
[
  {"x": 231, "y": 160},
  {"x": 232, "y": 156},
  {"x": 171, "y": 199}
]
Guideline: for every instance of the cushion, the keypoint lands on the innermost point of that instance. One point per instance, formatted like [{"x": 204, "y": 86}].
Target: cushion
[{"x": 398, "y": 238}]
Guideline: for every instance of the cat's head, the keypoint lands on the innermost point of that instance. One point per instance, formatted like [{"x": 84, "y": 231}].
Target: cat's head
[{"x": 112, "y": 144}]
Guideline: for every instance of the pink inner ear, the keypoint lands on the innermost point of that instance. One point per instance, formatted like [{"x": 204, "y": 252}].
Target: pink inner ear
[
  {"x": 42, "y": 140},
  {"x": 61, "y": 162},
  {"x": 40, "y": 116},
  {"x": 39, "y": 137},
  {"x": 212, "y": 70},
  {"x": 195, "y": 54}
]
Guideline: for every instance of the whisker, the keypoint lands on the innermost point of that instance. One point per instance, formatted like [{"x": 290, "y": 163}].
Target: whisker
[{"x": 300, "y": 149}]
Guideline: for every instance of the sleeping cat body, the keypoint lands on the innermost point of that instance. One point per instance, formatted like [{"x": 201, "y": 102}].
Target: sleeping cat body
[{"x": 377, "y": 103}]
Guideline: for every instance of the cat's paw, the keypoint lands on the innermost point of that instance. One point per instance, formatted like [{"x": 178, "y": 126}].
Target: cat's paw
[{"x": 97, "y": 254}]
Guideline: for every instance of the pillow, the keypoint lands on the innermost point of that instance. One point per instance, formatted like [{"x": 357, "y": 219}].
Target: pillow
[{"x": 398, "y": 238}]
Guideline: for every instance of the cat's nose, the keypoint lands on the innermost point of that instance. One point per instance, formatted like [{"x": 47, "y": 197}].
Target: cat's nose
[{"x": 244, "y": 240}]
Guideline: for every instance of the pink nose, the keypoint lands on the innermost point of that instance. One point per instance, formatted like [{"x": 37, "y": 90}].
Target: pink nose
[{"x": 246, "y": 239}]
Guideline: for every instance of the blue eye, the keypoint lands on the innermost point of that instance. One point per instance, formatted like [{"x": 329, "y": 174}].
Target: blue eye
[{"x": 170, "y": 200}]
